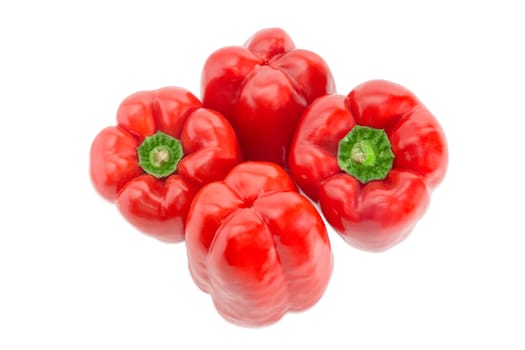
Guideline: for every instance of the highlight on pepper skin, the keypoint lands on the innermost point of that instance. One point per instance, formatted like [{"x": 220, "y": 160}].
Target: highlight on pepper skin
[
  {"x": 257, "y": 246},
  {"x": 371, "y": 160},
  {"x": 164, "y": 148}
]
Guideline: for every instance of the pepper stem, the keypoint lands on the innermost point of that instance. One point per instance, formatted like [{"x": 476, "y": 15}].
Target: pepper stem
[
  {"x": 159, "y": 154},
  {"x": 366, "y": 154},
  {"x": 363, "y": 153}
]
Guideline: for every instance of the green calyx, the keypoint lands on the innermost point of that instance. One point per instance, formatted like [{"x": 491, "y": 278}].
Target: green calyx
[
  {"x": 366, "y": 154},
  {"x": 159, "y": 154}
]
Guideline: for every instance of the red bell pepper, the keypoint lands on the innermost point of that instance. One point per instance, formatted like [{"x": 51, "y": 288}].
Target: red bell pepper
[
  {"x": 370, "y": 159},
  {"x": 163, "y": 149},
  {"x": 262, "y": 88},
  {"x": 257, "y": 246}
]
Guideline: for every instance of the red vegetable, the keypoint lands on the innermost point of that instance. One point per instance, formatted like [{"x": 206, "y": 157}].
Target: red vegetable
[
  {"x": 262, "y": 88},
  {"x": 371, "y": 159},
  {"x": 163, "y": 149},
  {"x": 257, "y": 246}
]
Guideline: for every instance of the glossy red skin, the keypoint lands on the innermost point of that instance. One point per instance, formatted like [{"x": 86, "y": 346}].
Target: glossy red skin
[
  {"x": 377, "y": 215},
  {"x": 257, "y": 246},
  {"x": 262, "y": 88},
  {"x": 158, "y": 207}
]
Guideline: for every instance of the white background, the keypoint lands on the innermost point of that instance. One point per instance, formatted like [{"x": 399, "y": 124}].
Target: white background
[{"x": 75, "y": 275}]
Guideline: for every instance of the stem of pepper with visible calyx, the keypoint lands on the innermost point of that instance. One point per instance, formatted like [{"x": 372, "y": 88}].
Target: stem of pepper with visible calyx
[
  {"x": 159, "y": 154},
  {"x": 366, "y": 154}
]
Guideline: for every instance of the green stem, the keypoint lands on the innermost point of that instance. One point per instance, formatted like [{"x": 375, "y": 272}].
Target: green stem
[
  {"x": 366, "y": 154},
  {"x": 159, "y": 154}
]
